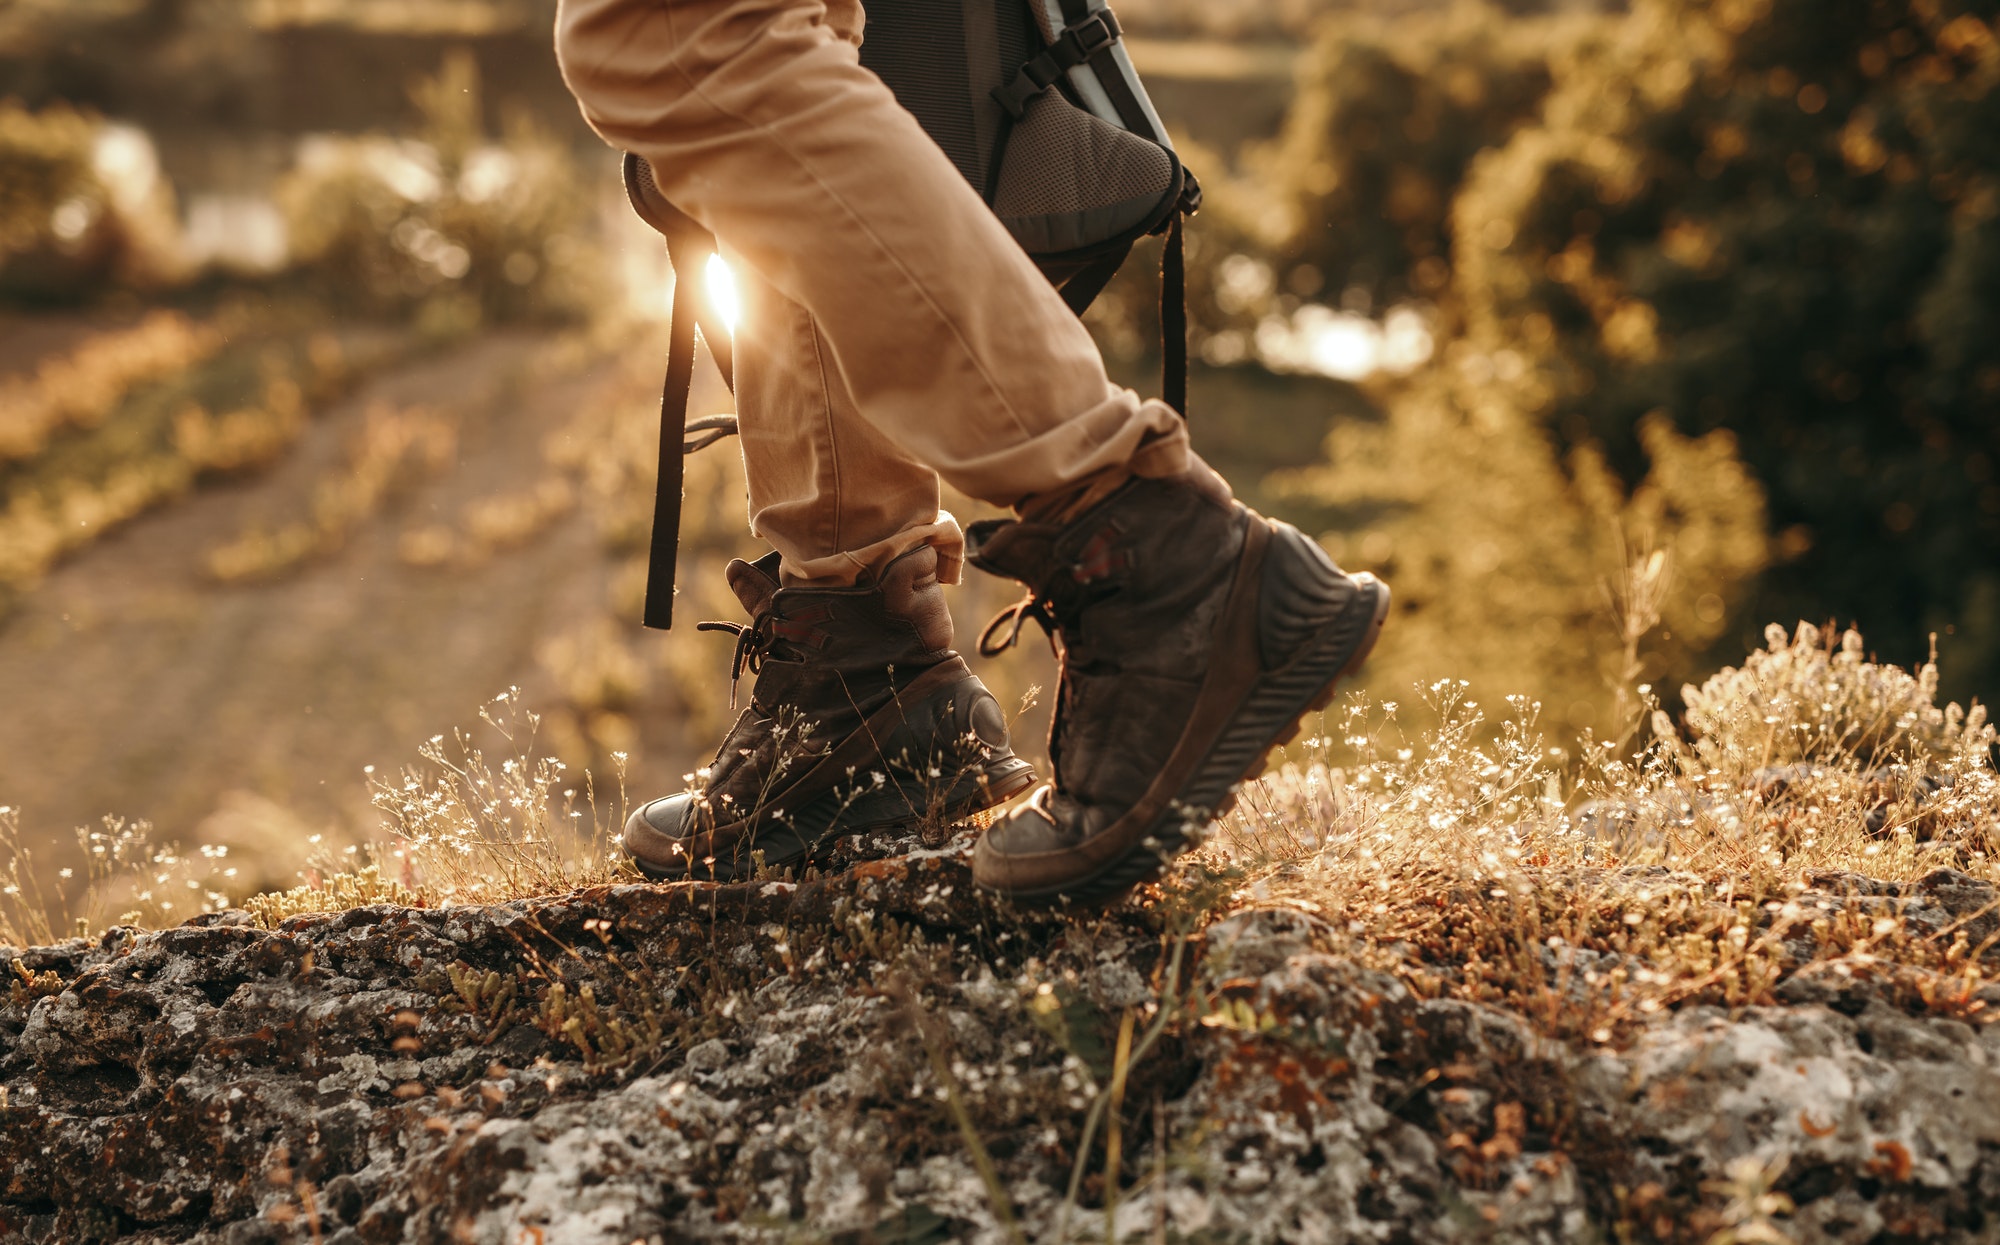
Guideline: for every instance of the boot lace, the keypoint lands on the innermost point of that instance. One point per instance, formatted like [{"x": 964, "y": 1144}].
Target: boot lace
[
  {"x": 752, "y": 644},
  {"x": 1098, "y": 560},
  {"x": 1033, "y": 607}
]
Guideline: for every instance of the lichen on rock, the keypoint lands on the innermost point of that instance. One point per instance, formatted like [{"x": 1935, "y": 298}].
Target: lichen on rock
[{"x": 360, "y": 1077}]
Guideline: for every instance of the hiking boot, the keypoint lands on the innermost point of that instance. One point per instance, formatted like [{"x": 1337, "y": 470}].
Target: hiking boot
[
  {"x": 1194, "y": 635},
  {"x": 861, "y": 719}
]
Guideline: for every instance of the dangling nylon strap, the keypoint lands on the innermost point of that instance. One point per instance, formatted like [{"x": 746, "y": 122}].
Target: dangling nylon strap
[
  {"x": 1082, "y": 289},
  {"x": 688, "y": 249},
  {"x": 665, "y": 549},
  {"x": 678, "y": 437},
  {"x": 1173, "y": 321}
]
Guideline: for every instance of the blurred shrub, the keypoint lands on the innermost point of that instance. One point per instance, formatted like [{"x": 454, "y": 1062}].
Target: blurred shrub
[
  {"x": 1510, "y": 560},
  {"x": 123, "y": 423},
  {"x": 81, "y": 206},
  {"x": 450, "y": 225},
  {"x": 392, "y": 448}
]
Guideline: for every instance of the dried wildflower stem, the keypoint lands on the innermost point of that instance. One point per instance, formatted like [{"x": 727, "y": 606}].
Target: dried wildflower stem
[
  {"x": 1121, "y": 1063},
  {"x": 1636, "y": 606},
  {"x": 996, "y": 1192},
  {"x": 25, "y": 919},
  {"x": 1169, "y": 1005}
]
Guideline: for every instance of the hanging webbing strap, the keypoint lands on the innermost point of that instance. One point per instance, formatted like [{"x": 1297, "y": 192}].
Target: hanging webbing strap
[
  {"x": 1173, "y": 321},
  {"x": 688, "y": 249},
  {"x": 1082, "y": 289},
  {"x": 665, "y": 550}
]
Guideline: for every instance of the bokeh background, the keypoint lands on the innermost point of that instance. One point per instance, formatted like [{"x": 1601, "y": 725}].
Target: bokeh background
[{"x": 329, "y": 354}]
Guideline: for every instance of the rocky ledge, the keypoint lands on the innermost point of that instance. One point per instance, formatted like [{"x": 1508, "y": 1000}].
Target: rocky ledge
[{"x": 882, "y": 1056}]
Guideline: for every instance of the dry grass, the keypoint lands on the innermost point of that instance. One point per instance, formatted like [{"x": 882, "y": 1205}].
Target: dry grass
[
  {"x": 128, "y": 878},
  {"x": 83, "y": 387},
  {"x": 1770, "y": 841},
  {"x": 124, "y": 423},
  {"x": 1719, "y": 861},
  {"x": 458, "y": 827},
  {"x": 463, "y": 829},
  {"x": 392, "y": 447}
]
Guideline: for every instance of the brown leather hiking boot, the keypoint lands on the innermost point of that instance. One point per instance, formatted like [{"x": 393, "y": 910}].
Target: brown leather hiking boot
[
  {"x": 862, "y": 718},
  {"x": 1194, "y": 634}
]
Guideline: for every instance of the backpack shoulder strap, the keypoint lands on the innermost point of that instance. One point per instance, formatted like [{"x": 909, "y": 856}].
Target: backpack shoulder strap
[
  {"x": 1173, "y": 320},
  {"x": 664, "y": 551},
  {"x": 688, "y": 249}
]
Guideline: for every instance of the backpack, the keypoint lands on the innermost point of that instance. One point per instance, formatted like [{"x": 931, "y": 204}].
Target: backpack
[{"x": 1042, "y": 112}]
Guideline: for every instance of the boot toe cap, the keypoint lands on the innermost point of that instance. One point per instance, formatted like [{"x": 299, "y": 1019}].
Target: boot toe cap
[
  {"x": 1041, "y": 845},
  {"x": 659, "y": 834}
]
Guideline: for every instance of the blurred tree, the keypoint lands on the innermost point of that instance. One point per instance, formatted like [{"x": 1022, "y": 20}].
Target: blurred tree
[
  {"x": 1768, "y": 230},
  {"x": 1388, "y": 117},
  {"x": 1780, "y": 218}
]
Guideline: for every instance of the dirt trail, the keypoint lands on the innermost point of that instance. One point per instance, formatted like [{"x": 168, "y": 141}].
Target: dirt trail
[{"x": 135, "y": 685}]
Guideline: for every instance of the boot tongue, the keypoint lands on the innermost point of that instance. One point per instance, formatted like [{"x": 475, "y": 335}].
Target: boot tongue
[
  {"x": 754, "y": 583},
  {"x": 1017, "y": 549}
]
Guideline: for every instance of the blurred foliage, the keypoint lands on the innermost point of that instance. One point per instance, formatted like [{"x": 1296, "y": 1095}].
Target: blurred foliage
[
  {"x": 1751, "y": 244},
  {"x": 81, "y": 389},
  {"x": 68, "y": 229},
  {"x": 1290, "y": 19},
  {"x": 1511, "y": 563},
  {"x": 132, "y": 419},
  {"x": 392, "y": 448},
  {"x": 44, "y": 163},
  {"x": 1783, "y": 220},
  {"x": 1387, "y": 119},
  {"x": 450, "y": 225}
]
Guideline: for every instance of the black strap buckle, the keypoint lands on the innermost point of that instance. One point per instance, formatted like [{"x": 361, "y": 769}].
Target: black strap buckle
[
  {"x": 1074, "y": 46},
  {"x": 1092, "y": 35}
]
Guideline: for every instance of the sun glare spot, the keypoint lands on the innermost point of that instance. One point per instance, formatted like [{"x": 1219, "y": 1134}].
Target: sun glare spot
[{"x": 722, "y": 292}]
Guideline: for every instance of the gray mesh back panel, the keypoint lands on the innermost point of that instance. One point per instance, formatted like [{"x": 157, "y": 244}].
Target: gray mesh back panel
[
  {"x": 1056, "y": 138},
  {"x": 917, "y": 47},
  {"x": 1061, "y": 178}
]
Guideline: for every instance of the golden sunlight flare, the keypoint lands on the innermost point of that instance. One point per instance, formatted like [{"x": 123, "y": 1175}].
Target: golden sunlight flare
[{"x": 722, "y": 292}]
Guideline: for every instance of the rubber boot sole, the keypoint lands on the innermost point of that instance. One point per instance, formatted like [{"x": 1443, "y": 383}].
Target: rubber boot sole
[
  {"x": 810, "y": 835},
  {"x": 1269, "y": 715}
]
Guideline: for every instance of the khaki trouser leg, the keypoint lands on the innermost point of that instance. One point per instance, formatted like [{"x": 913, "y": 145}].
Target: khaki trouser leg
[
  {"x": 831, "y": 493},
  {"x": 760, "y": 123}
]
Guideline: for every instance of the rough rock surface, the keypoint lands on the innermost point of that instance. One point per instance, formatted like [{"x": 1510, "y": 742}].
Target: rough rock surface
[{"x": 763, "y": 1061}]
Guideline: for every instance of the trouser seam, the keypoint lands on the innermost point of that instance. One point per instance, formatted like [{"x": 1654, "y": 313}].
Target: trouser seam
[{"x": 834, "y": 543}]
